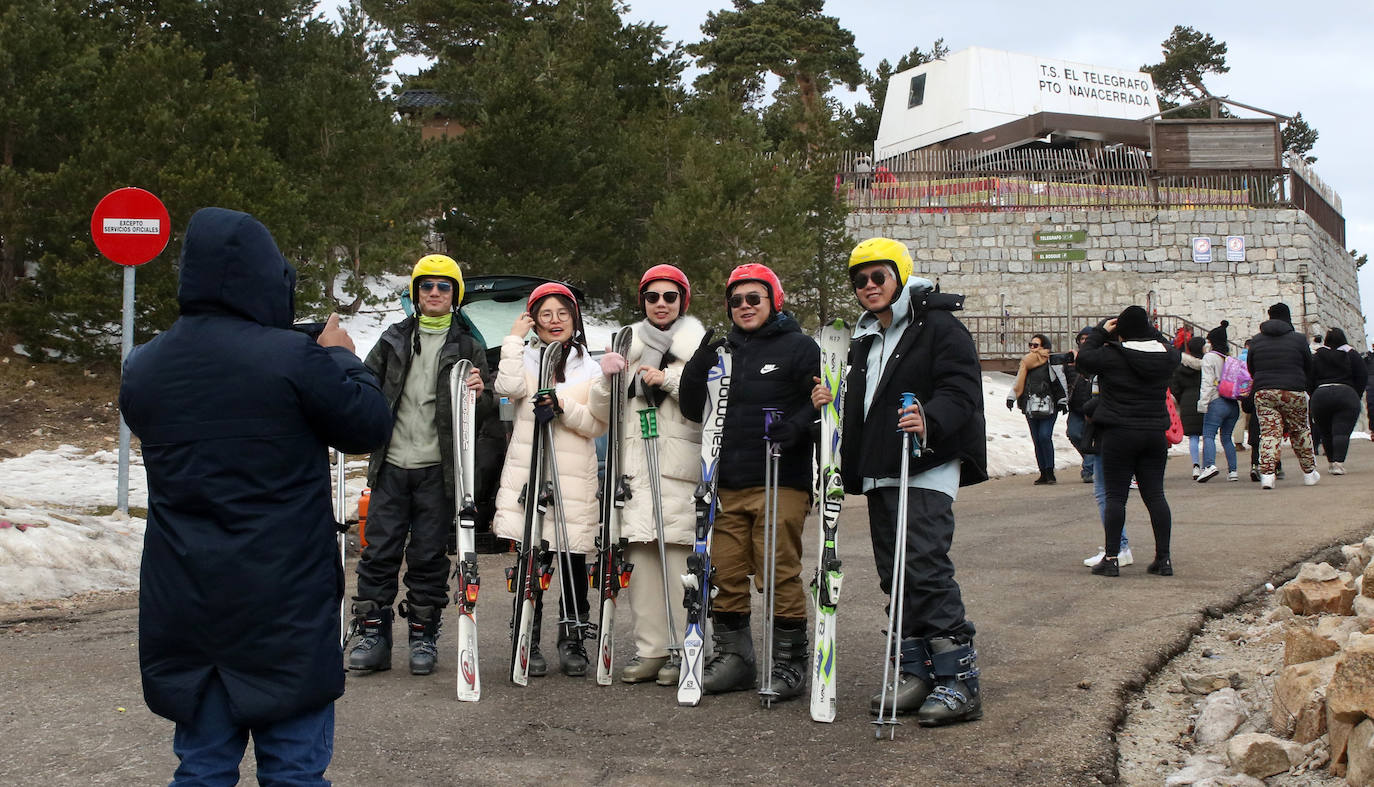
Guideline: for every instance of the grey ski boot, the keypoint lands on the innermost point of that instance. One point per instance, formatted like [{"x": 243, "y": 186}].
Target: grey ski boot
[
  {"x": 791, "y": 661},
  {"x": 914, "y": 681},
  {"x": 372, "y": 653},
  {"x": 732, "y": 668},
  {"x": 424, "y": 631},
  {"x": 956, "y": 696}
]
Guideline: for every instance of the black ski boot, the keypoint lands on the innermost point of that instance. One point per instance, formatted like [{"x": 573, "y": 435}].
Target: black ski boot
[
  {"x": 914, "y": 681},
  {"x": 791, "y": 660},
  {"x": 424, "y": 630},
  {"x": 732, "y": 668},
  {"x": 572, "y": 653},
  {"x": 538, "y": 666},
  {"x": 372, "y": 653},
  {"x": 956, "y": 697}
]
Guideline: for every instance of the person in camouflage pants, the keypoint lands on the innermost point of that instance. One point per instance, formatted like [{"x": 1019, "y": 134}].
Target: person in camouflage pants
[
  {"x": 1280, "y": 365},
  {"x": 1279, "y": 412}
]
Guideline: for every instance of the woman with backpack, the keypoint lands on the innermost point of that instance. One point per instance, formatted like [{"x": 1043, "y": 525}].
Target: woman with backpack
[
  {"x": 1040, "y": 391},
  {"x": 1217, "y": 403},
  {"x": 1338, "y": 377}
]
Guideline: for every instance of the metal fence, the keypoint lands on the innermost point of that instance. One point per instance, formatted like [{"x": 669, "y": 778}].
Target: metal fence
[
  {"x": 952, "y": 181},
  {"x": 1005, "y": 337}
]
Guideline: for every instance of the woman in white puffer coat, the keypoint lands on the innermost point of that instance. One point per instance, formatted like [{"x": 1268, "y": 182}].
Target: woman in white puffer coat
[
  {"x": 553, "y": 314},
  {"x": 663, "y": 342}
]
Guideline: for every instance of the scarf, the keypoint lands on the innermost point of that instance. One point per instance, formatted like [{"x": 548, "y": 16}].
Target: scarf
[
  {"x": 656, "y": 343},
  {"x": 436, "y": 324},
  {"x": 1032, "y": 360}
]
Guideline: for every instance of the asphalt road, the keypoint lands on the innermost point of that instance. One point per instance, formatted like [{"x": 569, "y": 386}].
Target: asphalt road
[{"x": 1057, "y": 649}]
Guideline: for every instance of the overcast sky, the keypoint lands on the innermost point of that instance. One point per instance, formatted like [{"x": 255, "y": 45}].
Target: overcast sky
[{"x": 1285, "y": 57}]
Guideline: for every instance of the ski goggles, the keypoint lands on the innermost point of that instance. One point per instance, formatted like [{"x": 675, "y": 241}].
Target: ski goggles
[
  {"x": 443, "y": 286},
  {"x": 860, "y": 280},
  {"x": 751, "y": 298},
  {"x": 668, "y": 297}
]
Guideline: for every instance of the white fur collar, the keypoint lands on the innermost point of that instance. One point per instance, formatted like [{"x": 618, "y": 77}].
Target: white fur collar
[{"x": 685, "y": 341}]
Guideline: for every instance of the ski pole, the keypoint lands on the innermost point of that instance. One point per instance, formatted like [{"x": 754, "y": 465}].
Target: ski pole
[
  {"x": 891, "y": 672},
  {"x": 648, "y": 431},
  {"x": 340, "y": 504},
  {"x": 563, "y": 544},
  {"x": 771, "y": 415}
]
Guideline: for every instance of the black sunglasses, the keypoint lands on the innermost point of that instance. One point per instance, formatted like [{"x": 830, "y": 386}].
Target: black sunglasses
[
  {"x": 444, "y": 286},
  {"x": 860, "y": 280},
  {"x": 751, "y": 298},
  {"x": 668, "y": 297}
]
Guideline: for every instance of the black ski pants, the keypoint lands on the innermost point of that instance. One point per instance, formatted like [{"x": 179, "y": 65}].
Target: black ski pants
[
  {"x": 409, "y": 514},
  {"x": 1138, "y": 453},
  {"x": 574, "y": 586},
  {"x": 1335, "y": 409},
  {"x": 932, "y": 605}
]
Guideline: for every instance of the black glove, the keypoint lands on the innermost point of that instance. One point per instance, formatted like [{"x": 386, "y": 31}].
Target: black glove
[
  {"x": 783, "y": 432},
  {"x": 1062, "y": 405},
  {"x": 705, "y": 356},
  {"x": 1011, "y": 404},
  {"x": 546, "y": 409}
]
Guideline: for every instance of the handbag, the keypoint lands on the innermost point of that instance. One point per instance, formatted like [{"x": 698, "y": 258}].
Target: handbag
[
  {"x": 1174, "y": 434},
  {"x": 1040, "y": 405}
]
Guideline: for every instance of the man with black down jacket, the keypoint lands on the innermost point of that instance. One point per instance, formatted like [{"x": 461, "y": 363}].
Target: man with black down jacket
[
  {"x": 908, "y": 340},
  {"x": 241, "y": 582},
  {"x": 772, "y": 366},
  {"x": 1280, "y": 363}
]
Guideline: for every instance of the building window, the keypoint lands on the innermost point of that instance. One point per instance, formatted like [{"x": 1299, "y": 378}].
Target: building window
[{"x": 917, "y": 96}]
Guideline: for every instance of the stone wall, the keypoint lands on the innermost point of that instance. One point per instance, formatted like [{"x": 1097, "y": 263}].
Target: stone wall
[{"x": 1136, "y": 256}]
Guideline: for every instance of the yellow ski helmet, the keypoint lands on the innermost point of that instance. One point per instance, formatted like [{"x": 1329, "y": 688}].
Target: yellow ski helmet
[
  {"x": 883, "y": 250},
  {"x": 437, "y": 265}
]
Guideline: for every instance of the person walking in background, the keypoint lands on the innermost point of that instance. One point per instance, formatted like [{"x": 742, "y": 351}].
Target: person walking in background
[
  {"x": 1039, "y": 390},
  {"x": 661, "y": 344},
  {"x": 1280, "y": 364},
  {"x": 1220, "y": 413},
  {"x": 1135, "y": 363},
  {"x": 553, "y": 314},
  {"x": 412, "y": 507},
  {"x": 1338, "y": 377},
  {"x": 1369, "y": 388},
  {"x": 1186, "y": 386},
  {"x": 1239, "y": 433},
  {"x": 1079, "y": 392},
  {"x": 241, "y": 580}
]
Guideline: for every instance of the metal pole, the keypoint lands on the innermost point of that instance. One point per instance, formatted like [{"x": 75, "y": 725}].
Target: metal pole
[{"x": 126, "y": 346}]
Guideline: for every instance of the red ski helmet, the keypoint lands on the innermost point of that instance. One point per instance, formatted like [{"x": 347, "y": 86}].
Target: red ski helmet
[
  {"x": 666, "y": 273},
  {"x": 753, "y": 271},
  {"x": 557, "y": 288}
]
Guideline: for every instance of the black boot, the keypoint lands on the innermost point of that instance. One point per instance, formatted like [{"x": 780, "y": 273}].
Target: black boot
[
  {"x": 791, "y": 660},
  {"x": 372, "y": 653},
  {"x": 1041, "y": 479},
  {"x": 732, "y": 667},
  {"x": 538, "y": 666},
  {"x": 956, "y": 696},
  {"x": 572, "y": 653},
  {"x": 424, "y": 630},
  {"x": 914, "y": 681},
  {"x": 1049, "y": 476}
]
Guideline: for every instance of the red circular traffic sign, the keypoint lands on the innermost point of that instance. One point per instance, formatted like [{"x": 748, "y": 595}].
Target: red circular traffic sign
[{"x": 130, "y": 226}]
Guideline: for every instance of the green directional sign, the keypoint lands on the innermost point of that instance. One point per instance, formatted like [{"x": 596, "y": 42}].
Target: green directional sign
[
  {"x": 1062, "y": 255},
  {"x": 1067, "y": 236}
]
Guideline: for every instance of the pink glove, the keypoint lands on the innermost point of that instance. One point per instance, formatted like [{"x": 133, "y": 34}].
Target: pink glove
[{"x": 612, "y": 363}]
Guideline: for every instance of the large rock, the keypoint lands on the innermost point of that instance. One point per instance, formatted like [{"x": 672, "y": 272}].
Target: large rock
[
  {"x": 1363, "y": 609},
  {"x": 1360, "y": 753},
  {"x": 1197, "y": 769},
  {"x": 1195, "y": 683},
  {"x": 1320, "y": 588},
  {"x": 1302, "y": 644},
  {"x": 1356, "y": 558},
  {"x": 1351, "y": 690},
  {"x": 1262, "y": 755},
  {"x": 1338, "y": 628},
  {"x": 1222, "y": 712},
  {"x": 1299, "y": 707},
  {"x": 1338, "y": 728}
]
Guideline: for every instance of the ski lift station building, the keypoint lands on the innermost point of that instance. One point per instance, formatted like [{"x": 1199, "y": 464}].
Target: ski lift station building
[{"x": 1053, "y": 193}]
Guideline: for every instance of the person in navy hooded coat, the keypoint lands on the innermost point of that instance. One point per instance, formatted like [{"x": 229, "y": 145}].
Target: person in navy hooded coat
[{"x": 241, "y": 583}]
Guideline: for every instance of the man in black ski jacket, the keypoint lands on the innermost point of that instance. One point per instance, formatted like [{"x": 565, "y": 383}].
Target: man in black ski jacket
[
  {"x": 908, "y": 340},
  {"x": 772, "y": 366},
  {"x": 241, "y": 579},
  {"x": 1280, "y": 363},
  {"x": 412, "y": 506}
]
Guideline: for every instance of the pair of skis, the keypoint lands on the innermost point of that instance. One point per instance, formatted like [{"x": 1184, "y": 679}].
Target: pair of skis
[
  {"x": 825, "y": 584},
  {"x": 612, "y": 573},
  {"x": 466, "y": 584}
]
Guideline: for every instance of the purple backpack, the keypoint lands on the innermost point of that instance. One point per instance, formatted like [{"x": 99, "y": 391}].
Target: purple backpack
[{"x": 1235, "y": 379}]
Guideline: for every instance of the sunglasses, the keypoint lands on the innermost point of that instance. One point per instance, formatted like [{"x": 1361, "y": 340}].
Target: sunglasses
[
  {"x": 668, "y": 297},
  {"x": 861, "y": 280},
  {"x": 751, "y": 298},
  {"x": 443, "y": 286}
]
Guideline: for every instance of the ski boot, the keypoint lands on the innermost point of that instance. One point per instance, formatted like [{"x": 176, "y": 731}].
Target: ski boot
[
  {"x": 372, "y": 653},
  {"x": 913, "y": 681},
  {"x": 732, "y": 668},
  {"x": 956, "y": 696},
  {"x": 539, "y": 667},
  {"x": 642, "y": 669},
  {"x": 670, "y": 673},
  {"x": 791, "y": 660},
  {"x": 424, "y": 630},
  {"x": 572, "y": 654}
]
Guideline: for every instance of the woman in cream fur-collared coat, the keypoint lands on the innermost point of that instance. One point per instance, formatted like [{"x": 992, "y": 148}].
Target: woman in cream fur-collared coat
[
  {"x": 554, "y": 316},
  {"x": 662, "y": 343}
]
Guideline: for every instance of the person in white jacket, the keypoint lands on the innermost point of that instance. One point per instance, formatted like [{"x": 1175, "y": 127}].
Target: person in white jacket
[
  {"x": 553, "y": 314},
  {"x": 1219, "y": 414},
  {"x": 662, "y": 343}
]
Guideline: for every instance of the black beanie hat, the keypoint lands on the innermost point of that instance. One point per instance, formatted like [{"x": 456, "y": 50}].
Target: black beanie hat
[
  {"x": 1335, "y": 338},
  {"x": 1196, "y": 346},
  {"x": 1217, "y": 336},
  {"x": 1134, "y": 323},
  {"x": 1279, "y": 311}
]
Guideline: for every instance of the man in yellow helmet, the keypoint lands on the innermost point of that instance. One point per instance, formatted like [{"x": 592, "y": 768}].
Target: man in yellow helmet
[
  {"x": 412, "y": 504},
  {"x": 908, "y": 340}
]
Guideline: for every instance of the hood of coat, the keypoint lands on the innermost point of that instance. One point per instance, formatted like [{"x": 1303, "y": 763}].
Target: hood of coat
[
  {"x": 1149, "y": 358},
  {"x": 1276, "y": 327},
  {"x": 230, "y": 264}
]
